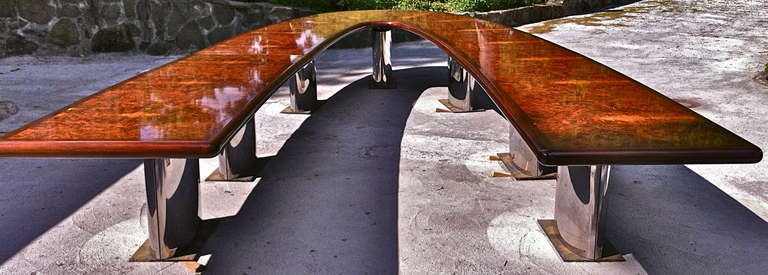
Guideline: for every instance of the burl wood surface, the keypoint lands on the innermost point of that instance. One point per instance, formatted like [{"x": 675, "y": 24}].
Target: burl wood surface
[{"x": 569, "y": 109}]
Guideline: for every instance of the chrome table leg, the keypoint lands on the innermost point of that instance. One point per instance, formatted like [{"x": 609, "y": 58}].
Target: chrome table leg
[
  {"x": 303, "y": 86},
  {"x": 172, "y": 199},
  {"x": 238, "y": 161},
  {"x": 521, "y": 162},
  {"x": 576, "y": 231},
  {"x": 382, "y": 59},
  {"x": 464, "y": 93},
  {"x": 461, "y": 86}
]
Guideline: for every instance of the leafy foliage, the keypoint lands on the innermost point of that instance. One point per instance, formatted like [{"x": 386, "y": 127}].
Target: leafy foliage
[
  {"x": 432, "y": 5},
  {"x": 464, "y": 5},
  {"x": 318, "y": 5}
]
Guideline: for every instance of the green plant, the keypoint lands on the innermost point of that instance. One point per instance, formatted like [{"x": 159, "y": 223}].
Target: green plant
[
  {"x": 463, "y": 5},
  {"x": 486, "y": 5},
  {"x": 367, "y": 4},
  {"x": 766, "y": 71},
  {"x": 421, "y": 5},
  {"x": 432, "y": 5},
  {"x": 322, "y": 6}
]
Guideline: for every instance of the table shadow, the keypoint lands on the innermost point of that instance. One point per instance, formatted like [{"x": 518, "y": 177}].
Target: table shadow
[
  {"x": 328, "y": 201},
  {"x": 676, "y": 222},
  {"x": 37, "y": 194}
]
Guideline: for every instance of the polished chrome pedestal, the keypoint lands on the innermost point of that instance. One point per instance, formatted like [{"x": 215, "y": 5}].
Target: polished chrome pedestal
[
  {"x": 381, "y": 78},
  {"x": 463, "y": 90},
  {"x": 176, "y": 232},
  {"x": 576, "y": 231},
  {"x": 172, "y": 201},
  {"x": 521, "y": 163},
  {"x": 303, "y": 86},
  {"x": 238, "y": 161}
]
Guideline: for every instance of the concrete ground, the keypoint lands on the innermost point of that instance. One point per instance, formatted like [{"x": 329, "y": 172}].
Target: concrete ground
[{"x": 378, "y": 182}]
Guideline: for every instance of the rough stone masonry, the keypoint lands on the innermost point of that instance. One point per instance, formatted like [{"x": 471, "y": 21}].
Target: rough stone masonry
[
  {"x": 78, "y": 27},
  {"x": 161, "y": 27}
]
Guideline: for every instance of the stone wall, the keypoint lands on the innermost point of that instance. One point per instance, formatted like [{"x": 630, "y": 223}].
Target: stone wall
[
  {"x": 79, "y": 27},
  {"x": 159, "y": 27}
]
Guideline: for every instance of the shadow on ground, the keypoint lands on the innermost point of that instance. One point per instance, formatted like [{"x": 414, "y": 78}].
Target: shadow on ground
[
  {"x": 327, "y": 203},
  {"x": 676, "y": 222},
  {"x": 37, "y": 194}
]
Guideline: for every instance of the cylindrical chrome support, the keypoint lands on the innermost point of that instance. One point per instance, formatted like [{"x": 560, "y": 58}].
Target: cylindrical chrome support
[
  {"x": 382, "y": 59},
  {"x": 238, "y": 159},
  {"x": 579, "y": 207},
  {"x": 465, "y": 93},
  {"x": 461, "y": 86},
  {"x": 303, "y": 86},
  {"x": 523, "y": 158},
  {"x": 172, "y": 200}
]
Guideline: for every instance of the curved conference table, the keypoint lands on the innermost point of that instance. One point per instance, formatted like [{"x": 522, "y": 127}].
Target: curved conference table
[{"x": 569, "y": 110}]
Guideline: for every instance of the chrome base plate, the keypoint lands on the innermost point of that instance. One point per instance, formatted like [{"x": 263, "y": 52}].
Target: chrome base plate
[
  {"x": 187, "y": 261},
  {"x": 290, "y": 111},
  {"x": 453, "y": 109},
  {"x": 188, "y": 257},
  {"x": 144, "y": 254},
  {"x": 519, "y": 174},
  {"x": 566, "y": 251},
  {"x": 217, "y": 176},
  {"x": 250, "y": 177}
]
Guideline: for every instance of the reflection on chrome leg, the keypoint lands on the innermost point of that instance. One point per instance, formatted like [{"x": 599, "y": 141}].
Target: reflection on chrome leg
[
  {"x": 463, "y": 90},
  {"x": 303, "y": 87},
  {"x": 238, "y": 161},
  {"x": 577, "y": 231},
  {"x": 172, "y": 200},
  {"x": 382, "y": 59},
  {"x": 460, "y": 87},
  {"x": 521, "y": 162}
]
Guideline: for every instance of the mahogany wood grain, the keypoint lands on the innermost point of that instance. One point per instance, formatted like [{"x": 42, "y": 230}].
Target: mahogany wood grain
[{"x": 570, "y": 109}]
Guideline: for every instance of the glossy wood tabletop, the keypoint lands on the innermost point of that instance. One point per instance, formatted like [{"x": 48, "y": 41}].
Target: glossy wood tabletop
[{"x": 570, "y": 109}]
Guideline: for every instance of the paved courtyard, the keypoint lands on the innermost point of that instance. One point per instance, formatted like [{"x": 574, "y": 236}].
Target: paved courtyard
[{"x": 378, "y": 182}]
